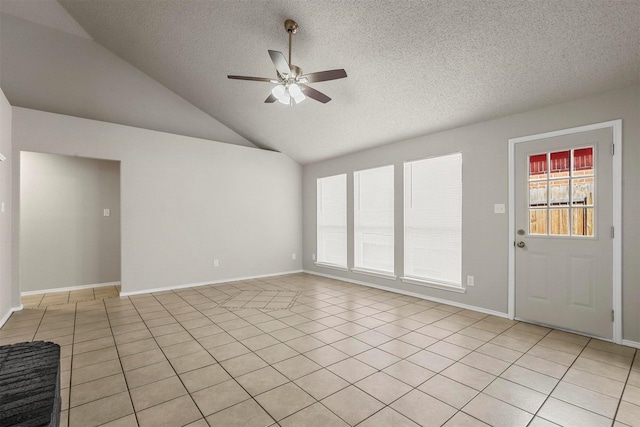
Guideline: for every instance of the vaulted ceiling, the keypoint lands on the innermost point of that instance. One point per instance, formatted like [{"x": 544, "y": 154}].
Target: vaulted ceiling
[{"x": 414, "y": 66}]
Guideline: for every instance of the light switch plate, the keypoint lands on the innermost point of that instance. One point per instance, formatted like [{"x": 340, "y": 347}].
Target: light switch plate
[{"x": 106, "y": 212}]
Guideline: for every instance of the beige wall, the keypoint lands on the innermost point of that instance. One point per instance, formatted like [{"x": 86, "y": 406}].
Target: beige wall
[
  {"x": 8, "y": 297},
  {"x": 184, "y": 201},
  {"x": 485, "y": 182},
  {"x": 65, "y": 240}
]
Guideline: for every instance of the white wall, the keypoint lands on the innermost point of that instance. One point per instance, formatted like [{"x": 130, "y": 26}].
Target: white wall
[
  {"x": 484, "y": 147},
  {"x": 52, "y": 70},
  {"x": 65, "y": 240},
  {"x": 184, "y": 201},
  {"x": 9, "y": 295}
]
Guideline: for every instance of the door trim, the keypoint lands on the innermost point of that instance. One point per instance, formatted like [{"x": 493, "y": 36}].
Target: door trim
[{"x": 616, "y": 126}]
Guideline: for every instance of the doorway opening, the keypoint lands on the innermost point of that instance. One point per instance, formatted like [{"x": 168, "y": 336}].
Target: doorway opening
[{"x": 69, "y": 229}]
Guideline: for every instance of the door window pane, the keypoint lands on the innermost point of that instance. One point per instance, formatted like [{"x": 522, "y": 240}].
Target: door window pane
[
  {"x": 559, "y": 219},
  {"x": 582, "y": 189},
  {"x": 538, "y": 221},
  {"x": 583, "y": 161},
  {"x": 538, "y": 167},
  {"x": 561, "y": 193},
  {"x": 559, "y": 162},
  {"x": 538, "y": 193},
  {"x": 582, "y": 222}
]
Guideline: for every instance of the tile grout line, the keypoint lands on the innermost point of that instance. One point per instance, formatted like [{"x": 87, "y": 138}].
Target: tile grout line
[
  {"x": 115, "y": 344},
  {"x": 560, "y": 380},
  {"x": 216, "y": 360},
  {"x": 251, "y": 397},
  {"x": 626, "y": 382},
  {"x": 73, "y": 342}
]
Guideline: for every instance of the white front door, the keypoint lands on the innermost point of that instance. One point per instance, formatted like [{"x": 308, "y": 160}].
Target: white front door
[{"x": 563, "y": 232}]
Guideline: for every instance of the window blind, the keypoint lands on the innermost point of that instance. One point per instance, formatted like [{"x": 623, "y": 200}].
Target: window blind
[
  {"x": 433, "y": 220},
  {"x": 373, "y": 219},
  {"x": 332, "y": 220}
]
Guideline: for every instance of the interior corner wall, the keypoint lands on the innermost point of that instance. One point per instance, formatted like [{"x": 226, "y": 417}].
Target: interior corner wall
[
  {"x": 184, "y": 201},
  {"x": 65, "y": 239},
  {"x": 9, "y": 297},
  {"x": 484, "y": 148}
]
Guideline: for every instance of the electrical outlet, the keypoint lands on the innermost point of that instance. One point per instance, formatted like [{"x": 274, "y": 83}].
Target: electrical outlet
[
  {"x": 293, "y": 256},
  {"x": 216, "y": 263},
  {"x": 313, "y": 257},
  {"x": 499, "y": 208},
  {"x": 470, "y": 280}
]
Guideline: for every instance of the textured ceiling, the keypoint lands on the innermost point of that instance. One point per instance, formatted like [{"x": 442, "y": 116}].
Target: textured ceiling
[{"x": 414, "y": 67}]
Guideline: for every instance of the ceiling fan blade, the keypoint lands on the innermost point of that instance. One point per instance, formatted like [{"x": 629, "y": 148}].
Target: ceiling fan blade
[
  {"x": 253, "y": 79},
  {"x": 280, "y": 62},
  {"x": 270, "y": 99},
  {"x": 323, "y": 76},
  {"x": 312, "y": 93}
]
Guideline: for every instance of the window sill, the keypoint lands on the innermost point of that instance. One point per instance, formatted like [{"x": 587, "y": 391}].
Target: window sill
[
  {"x": 333, "y": 266},
  {"x": 375, "y": 273},
  {"x": 443, "y": 287}
]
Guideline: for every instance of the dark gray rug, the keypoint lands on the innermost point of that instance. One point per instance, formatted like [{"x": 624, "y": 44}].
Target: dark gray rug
[{"x": 30, "y": 384}]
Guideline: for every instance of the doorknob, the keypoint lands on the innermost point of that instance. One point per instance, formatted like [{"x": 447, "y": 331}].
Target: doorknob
[{"x": 521, "y": 244}]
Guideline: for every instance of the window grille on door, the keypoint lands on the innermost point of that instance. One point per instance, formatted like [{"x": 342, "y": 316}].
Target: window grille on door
[{"x": 561, "y": 193}]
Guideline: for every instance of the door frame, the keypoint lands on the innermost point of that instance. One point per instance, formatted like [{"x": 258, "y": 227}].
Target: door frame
[{"x": 616, "y": 127}]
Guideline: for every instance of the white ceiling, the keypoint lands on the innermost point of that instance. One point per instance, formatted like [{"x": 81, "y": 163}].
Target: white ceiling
[{"x": 415, "y": 67}]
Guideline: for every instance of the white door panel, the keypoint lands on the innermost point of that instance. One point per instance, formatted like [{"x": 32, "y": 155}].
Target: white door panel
[{"x": 563, "y": 219}]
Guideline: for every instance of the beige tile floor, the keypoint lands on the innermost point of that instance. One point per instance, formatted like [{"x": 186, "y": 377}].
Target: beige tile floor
[
  {"x": 339, "y": 355},
  {"x": 55, "y": 298}
]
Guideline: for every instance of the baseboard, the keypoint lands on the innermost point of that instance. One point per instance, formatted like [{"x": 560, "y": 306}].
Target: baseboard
[
  {"x": 69, "y": 288},
  {"x": 11, "y": 311},
  {"x": 630, "y": 343},
  {"x": 413, "y": 294},
  {"x": 211, "y": 282}
]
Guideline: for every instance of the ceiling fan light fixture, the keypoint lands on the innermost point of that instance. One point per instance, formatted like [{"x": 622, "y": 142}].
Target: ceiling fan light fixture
[
  {"x": 285, "y": 99},
  {"x": 282, "y": 94},
  {"x": 278, "y": 91},
  {"x": 296, "y": 93}
]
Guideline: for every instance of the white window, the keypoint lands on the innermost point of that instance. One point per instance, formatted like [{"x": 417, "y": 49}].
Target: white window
[
  {"x": 433, "y": 220},
  {"x": 332, "y": 220},
  {"x": 373, "y": 220}
]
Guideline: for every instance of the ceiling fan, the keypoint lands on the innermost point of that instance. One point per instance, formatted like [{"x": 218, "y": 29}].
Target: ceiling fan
[{"x": 291, "y": 85}]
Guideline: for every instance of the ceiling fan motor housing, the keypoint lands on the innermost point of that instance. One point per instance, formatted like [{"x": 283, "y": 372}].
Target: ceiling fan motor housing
[
  {"x": 291, "y": 26},
  {"x": 295, "y": 71}
]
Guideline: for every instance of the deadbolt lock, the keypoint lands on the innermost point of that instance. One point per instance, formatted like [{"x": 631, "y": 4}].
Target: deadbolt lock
[{"x": 521, "y": 244}]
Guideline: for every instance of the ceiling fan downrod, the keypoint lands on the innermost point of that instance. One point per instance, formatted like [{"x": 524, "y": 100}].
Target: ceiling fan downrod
[{"x": 292, "y": 27}]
